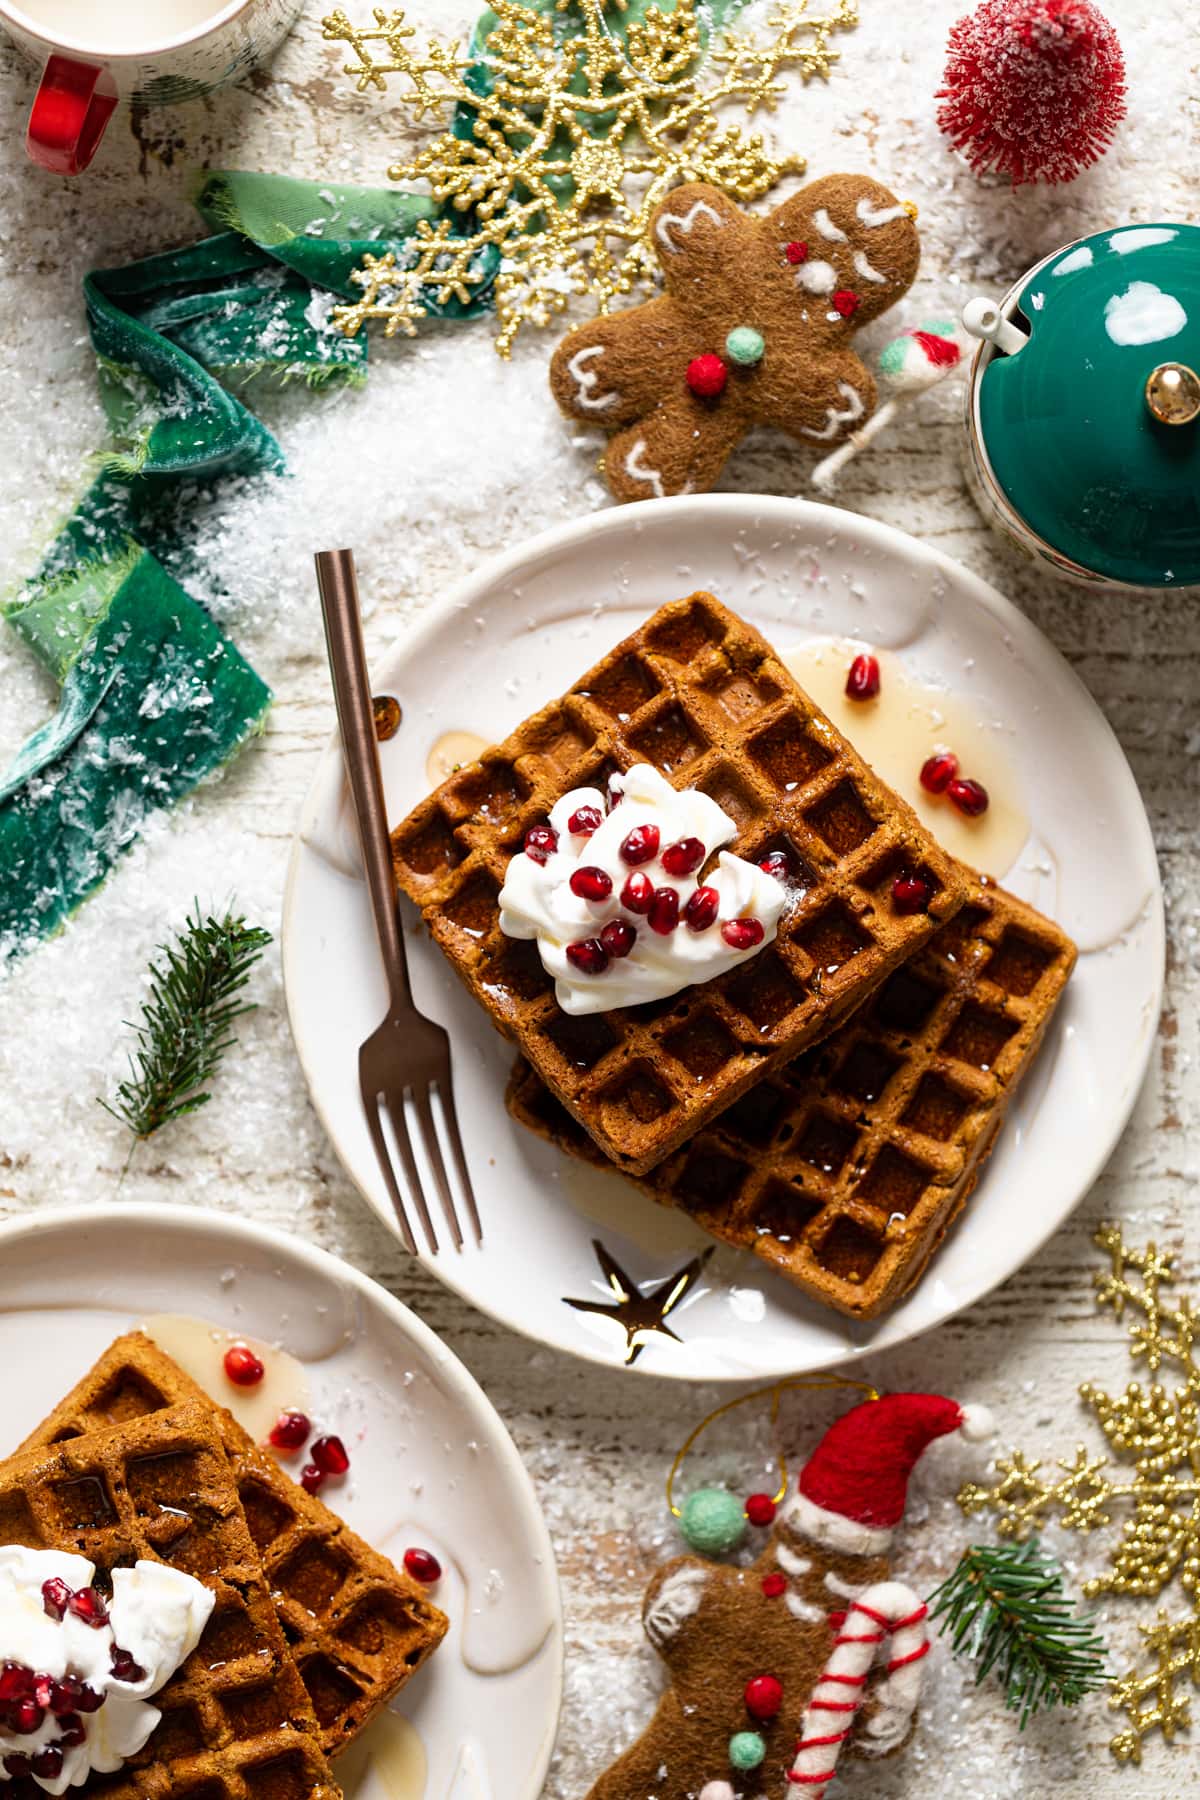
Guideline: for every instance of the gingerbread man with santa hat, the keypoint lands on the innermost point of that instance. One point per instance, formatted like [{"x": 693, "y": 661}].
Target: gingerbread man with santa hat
[{"x": 810, "y": 1653}]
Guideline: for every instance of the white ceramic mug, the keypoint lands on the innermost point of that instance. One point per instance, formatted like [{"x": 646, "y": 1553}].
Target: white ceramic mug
[{"x": 196, "y": 46}]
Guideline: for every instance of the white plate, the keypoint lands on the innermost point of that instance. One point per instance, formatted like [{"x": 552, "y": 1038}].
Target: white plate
[
  {"x": 522, "y": 631},
  {"x": 431, "y": 1462}
]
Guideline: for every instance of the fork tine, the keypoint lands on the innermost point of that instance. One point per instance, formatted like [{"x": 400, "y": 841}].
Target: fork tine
[
  {"x": 371, "y": 1109},
  {"x": 433, "y": 1151},
  {"x": 395, "y": 1109},
  {"x": 446, "y": 1091}
]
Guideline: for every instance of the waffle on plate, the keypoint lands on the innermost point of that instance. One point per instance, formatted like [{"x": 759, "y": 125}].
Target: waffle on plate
[
  {"x": 358, "y": 1628},
  {"x": 845, "y": 1169},
  {"x": 701, "y": 696},
  {"x": 237, "y": 1721}
]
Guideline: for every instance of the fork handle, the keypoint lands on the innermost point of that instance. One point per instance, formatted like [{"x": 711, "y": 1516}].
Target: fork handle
[{"x": 338, "y": 586}]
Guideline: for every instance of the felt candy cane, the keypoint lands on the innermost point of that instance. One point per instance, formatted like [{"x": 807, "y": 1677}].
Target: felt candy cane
[
  {"x": 909, "y": 365},
  {"x": 888, "y": 1609}
]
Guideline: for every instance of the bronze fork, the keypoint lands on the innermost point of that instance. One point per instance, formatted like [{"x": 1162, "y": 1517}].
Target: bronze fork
[{"x": 407, "y": 1059}]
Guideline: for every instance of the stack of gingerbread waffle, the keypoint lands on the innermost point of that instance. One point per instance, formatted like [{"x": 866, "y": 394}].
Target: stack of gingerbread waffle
[
  {"x": 828, "y": 1103},
  {"x": 312, "y": 1631}
]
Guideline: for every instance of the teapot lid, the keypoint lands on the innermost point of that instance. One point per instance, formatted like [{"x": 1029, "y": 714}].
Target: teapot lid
[{"x": 1092, "y": 425}]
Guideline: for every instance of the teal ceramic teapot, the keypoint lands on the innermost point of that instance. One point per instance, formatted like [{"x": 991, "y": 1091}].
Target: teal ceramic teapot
[{"x": 1084, "y": 407}]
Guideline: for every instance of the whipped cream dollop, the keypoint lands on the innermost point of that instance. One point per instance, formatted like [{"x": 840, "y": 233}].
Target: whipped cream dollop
[
  {"x": 147, "y": 1628},
  {"x": 636, "y": 960}
]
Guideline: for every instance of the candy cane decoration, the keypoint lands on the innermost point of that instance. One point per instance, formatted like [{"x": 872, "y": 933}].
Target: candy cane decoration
[
  {"x": 909, "y": 365},
  {"x": 888, "y": 1609}
]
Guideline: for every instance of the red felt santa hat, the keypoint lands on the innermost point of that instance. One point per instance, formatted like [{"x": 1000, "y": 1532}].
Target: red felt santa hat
[{"x": 853, "y": 1487}]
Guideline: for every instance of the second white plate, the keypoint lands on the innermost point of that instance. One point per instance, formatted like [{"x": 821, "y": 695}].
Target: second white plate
[{"x": 521, "y": 631}]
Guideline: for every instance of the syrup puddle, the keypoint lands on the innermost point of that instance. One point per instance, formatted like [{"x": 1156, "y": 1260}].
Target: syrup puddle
[
  {"x": 899, "y": 729},
  {"x": 199, "y": 1348},
  {"x": 451, "y": 750},
  {"x": 387, "y": 1762}
]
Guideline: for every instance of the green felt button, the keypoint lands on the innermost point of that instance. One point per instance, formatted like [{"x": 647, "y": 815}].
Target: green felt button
[{"x": 745, "y": 346}]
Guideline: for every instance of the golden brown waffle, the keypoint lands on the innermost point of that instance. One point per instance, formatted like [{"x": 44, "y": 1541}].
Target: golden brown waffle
[
  {"x": 237, "y": 1723},
  {"x": 701, "y": 696},
  {"x": 358, "y": 1628},
  {"x": 845, "y": 1169}
]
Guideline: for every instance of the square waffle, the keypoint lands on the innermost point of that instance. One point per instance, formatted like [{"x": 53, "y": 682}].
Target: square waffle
[
  {"x": 701, "y": 696},
  {"x": 845, "y": 1169},
  {"x": 237, "y": 1723},
  {"x": 358, "y": 1627}
]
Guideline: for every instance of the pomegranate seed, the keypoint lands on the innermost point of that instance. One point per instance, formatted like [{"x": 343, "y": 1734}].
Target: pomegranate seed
[
  {"x": 588, "y": 955},
  {"x": 290, "y": 1431},
  {"x": 701, "y": 909},
  {"x": 663, "y": 916},
  {"x": 56, "y": 1597},
  {"x": 591, "y": 884},
  {"x": 61, "y": 1698},
  {"x": 243, "y": 1367},
  {"x": 17, "y": 1766},
  {"x": 777, "y": 863},
  {"x": 938, "y": 771},
  {"x": 637, "y": 894},
  {"x": 796, "y": 252},
  {"x": 26, "y": 1718},
  {"x": 970, "y": 797},
  {"x": 641, "y": 846},
  {"x": 16, "y": 1683},
  {"x": 43, "y": 1689},
  {"x": 329, "y": 1454},
  {"x": 72, "y": 1731},
  {"x": 87, "y": 1700},
  {"x": 862, "y": 681},
  {"x": 88, "y": 1605},
  {"x": 48, "y": 1762},
  {"x": 684, "y": 857},
  {"x": 742, "y": 934},
  {"x": 584, "y": 820},
  {"x": 618, "y": 938},
  {"x": 614, "y": 790},
  {"x": 774, "y": 1584},
  {"x": 761, "y": 1510},
  {"x": 124, "y": 1668},
  {"x": 423, "y": 1566},
  {"x": 910, "y": 894},
  {"x": 312, "y": 1479},
  {"x": 541, "y": 841}
]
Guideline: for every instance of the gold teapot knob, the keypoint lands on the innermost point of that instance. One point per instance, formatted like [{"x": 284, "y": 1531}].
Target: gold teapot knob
[{"x": 1173, "y": 393}]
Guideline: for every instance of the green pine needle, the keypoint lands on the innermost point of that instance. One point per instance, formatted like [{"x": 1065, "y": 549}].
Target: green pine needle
[
  {"x": 1004, "y": 1607},
  {"x": 187, "y": 1021}
]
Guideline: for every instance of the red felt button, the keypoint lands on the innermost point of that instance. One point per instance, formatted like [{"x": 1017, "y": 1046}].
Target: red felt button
[
  {"x": 764, "y": 1697},
  {"x": 796, "y": 253},
  {"x": 774, "y": 1585},
  {"x": 846, "y": 302},
  {"x": 760, "y": 1509},
  {"x": 706, "y": 376}
]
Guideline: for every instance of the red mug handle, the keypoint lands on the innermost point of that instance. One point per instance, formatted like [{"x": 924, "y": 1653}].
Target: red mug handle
[{"x": 73, "y": 104}]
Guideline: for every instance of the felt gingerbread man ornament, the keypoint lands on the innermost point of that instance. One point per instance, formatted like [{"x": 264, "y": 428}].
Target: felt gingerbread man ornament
[
  {"x": 755, "y": 328},
  {"x": 812, "y": 1652}
]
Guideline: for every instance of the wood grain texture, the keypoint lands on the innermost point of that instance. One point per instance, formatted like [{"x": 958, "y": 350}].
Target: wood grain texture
[{"x": 424, "y": 504}]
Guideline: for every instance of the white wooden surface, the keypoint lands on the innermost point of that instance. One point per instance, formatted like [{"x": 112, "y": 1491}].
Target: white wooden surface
[{"x": 446, "y": 457}]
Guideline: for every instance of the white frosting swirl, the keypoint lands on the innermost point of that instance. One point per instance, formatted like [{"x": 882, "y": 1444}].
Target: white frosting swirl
[
  {"x": 536, "y": 900},
  {"x": 156, "y": 1613}
]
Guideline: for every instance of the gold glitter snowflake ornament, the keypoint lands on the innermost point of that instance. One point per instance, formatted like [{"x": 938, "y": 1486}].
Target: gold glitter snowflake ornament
[
  {"x": 1156, "y": 1431},
  {"x": 563, "y": 134}
]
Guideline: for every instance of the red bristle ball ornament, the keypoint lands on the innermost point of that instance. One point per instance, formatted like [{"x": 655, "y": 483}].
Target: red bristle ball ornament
[{"x": 1033, "y": 89}]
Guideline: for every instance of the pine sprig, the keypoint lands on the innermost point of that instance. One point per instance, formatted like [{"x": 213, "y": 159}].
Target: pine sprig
[
  {"x": 187, "y": 1021},
  {"x": 1004, "y": 1607}
]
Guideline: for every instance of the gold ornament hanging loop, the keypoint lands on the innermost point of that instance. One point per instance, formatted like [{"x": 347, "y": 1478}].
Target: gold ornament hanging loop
[{"x": 776, "y": 1392}]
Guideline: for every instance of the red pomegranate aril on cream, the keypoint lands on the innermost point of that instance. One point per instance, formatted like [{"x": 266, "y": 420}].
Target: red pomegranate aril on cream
[
  {"x": 637, "y": 894},
  {"x": 640, "y": 846},
  {"x": 423, "y": 1566},
  {"x": 970, "y": 797},
  {"x": 124, "y": 1668},
  {"x": 663, "y": 915},
  {"x": 618, "y": 937},
  {"x": 541, "y": 841},
  {"x": 56, "y": 1597},
  {"x": 778, "y": 864},
  {"x": 48, "y": 1762},
  {"x": 588, "y": 955},
  {"x": 863, "y": 680},
  {"x": 591, "y": 884},
  {"x": 88, "y": 1604},
  {"x": 701, "y": 910},
  {"x": 584, "y": 820},
  {"x": 243, "y": 1367},
  {"x": 72, "y": 1731},
  {"x": 25, "y": 1718},
  {"x": 16, "y": 1683},
  {"x": 910, "y": 894},
  {"x": 290, "y": 1431},
  {"x": 742, "y": 934},
  {"x": 938, "y": 771},
  {"x": 683, "y": 857}
]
